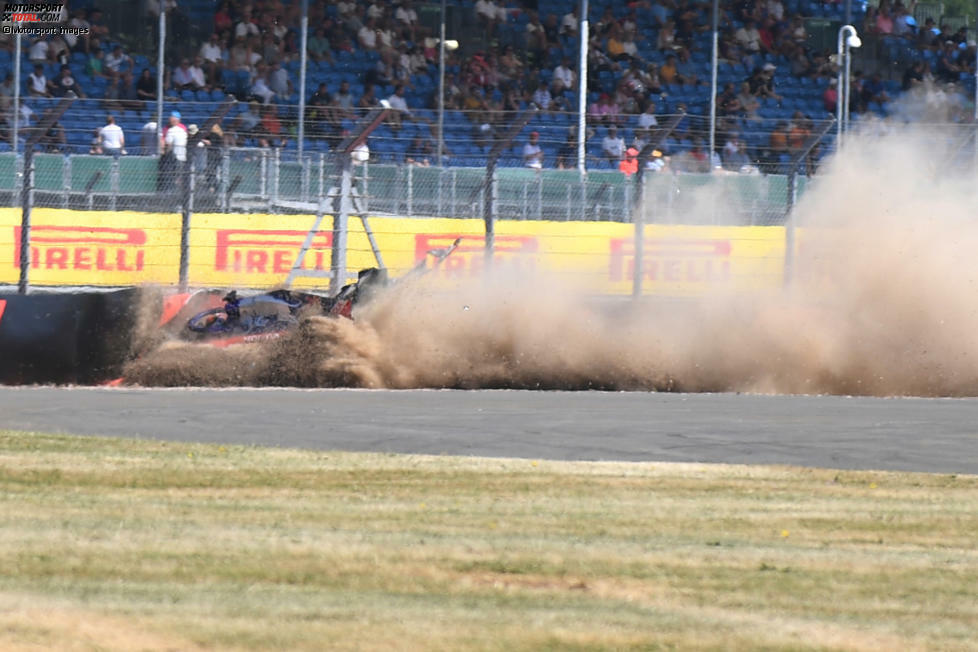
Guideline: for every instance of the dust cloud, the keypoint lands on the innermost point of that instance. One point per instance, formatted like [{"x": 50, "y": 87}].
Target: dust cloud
[{"x": 884, "y": 301}]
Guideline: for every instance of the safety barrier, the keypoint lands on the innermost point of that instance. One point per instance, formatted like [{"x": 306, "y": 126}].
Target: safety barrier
[{"x": 117, "y": 249}]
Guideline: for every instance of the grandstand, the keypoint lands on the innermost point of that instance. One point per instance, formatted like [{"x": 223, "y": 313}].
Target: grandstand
[{"x": 483, "y": 99}]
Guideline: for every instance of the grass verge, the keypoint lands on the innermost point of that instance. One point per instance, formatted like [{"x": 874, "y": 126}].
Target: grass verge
[{"x": 127, "y": 544}]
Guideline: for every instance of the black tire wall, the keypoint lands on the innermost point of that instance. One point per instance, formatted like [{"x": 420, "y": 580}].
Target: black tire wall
[{"x": 65, "y": 338}]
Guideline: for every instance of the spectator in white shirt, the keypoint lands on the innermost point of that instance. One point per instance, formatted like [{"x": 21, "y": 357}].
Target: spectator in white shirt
[
  {"x": 569, "y": 23},
  {"x": 541, "y": 97},
  {"x": 39, "y": 51},
  {"x": 613, "y": 145},
  {"x": 183, "y": 79},
  {"x": 646, "y": 120},
  {"x": 37, "y": 83},
  {"x": 197, "y": 73},
  {"x": 564, "y": 77},
  {"x": 407, "y": 16},
  {"x": 116, "y": 60},
  {"x": 367, "y": 36},
  {"x": 211, "y": 50},
  {"x": 175, "y": 139},
  {"x": 260, "y": 89},
  {"x": 111, "y": 138},
  {"x": 399, "y": 104},
  {"x": 532, "y": 153}
]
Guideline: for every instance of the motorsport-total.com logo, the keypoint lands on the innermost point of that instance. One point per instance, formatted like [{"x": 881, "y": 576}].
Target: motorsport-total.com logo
[{"x": 36, "y": 19}]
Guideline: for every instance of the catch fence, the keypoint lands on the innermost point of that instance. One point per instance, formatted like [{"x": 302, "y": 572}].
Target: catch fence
[{"x": 263, "y": 180}]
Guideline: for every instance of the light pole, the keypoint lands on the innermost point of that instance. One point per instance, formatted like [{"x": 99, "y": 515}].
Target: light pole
[
  {"x": 442, "y": 46},
  {"x": 848, "y": 39}
]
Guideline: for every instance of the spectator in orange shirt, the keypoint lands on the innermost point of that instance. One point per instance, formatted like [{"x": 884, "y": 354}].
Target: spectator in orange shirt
[{"x": 629, "y": 165}]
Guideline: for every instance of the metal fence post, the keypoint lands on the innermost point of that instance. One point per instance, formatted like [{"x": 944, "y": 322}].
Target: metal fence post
[
  {"x": 789, "y": 226},
  {"x": 263, "y": 188},
  {"x": 66, "y": 182},
  {"x": 340, "y": 222},
  {"x": 276, "y": 173},
  {"x": 23, "y": 286},
  {"x": 188, "y": 208},
  {"x": 489, "y": 213},
  {"x": 114, "y": 183},
  {"x": 225, "y": 178},
  {"x": 410, "y": 191}
]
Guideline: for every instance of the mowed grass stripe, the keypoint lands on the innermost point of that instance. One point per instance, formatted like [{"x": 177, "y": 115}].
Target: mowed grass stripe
[{"x": 134, "y": 544}]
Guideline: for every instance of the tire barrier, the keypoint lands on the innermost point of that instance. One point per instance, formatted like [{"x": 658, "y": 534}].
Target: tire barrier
[{"x": 65, "y": 338}]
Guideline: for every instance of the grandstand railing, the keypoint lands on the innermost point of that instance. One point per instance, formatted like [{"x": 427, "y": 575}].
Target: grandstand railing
[{"x": 262, "y": 180}]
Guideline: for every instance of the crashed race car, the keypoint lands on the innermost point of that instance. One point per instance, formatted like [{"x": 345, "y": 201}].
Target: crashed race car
[{"x": 233, "y": 319}]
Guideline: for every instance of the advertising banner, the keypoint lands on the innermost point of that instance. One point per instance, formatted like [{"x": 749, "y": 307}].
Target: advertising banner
[{"x": 258, "y": 251}]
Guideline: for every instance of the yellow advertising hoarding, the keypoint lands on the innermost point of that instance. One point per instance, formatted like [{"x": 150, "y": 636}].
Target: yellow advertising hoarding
[{"x": 257, "y": 251}]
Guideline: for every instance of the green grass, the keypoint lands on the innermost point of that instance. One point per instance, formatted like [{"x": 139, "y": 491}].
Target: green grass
[{"x": 110, "y": 544}]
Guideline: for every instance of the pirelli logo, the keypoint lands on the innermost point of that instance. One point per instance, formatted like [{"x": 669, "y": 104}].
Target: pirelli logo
[
  {"x": 509, "y": 251},
  {"x": 84, "y": 248},
  {"x": 671, "y": 260},
  {"x": 246, "y": 251}
]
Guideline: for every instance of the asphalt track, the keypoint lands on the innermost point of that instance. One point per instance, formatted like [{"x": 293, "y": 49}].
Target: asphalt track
[{"x": 933, "y": 435}]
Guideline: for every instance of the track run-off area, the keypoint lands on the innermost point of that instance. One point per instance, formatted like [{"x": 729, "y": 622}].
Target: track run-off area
[{"x": 898, "y": 434}]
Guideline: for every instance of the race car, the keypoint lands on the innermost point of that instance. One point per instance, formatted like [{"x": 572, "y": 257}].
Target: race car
[{"x": 233, "y": 319}]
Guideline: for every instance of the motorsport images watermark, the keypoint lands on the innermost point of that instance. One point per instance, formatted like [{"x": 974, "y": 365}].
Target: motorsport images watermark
[{"x": 36, "y": 19}]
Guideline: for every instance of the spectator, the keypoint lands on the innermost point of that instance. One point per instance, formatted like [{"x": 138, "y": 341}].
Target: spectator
[
  {"x": 762, "y": 82},
  {"x": 407, "y": 18},
  {"x": 278, "y": 81},
  {"x": 569, "y": 23},
  {"x": 79, "y": 43},
  {"x": 613, "y": 145},
  {"x": 874, "y": 90},
  {"x": 799, "y": 132},
  {"x": 210, "y": 52},
  {"x": 344, "y": 98},
  {"x": 53, "y": 141},
  {"x": 399, "y": 106},
  {"x": 95, "y": 66},
  {"x": 830, "y": 98},
  {"x": 604, "y": 111},
  {"x": 420, "y": 152},
  {"x": 37, "y": 84},
  {"x": 271, "y": 129},
  {"x": 66, "y": 83},
  {"x": 111, "y": 138},
  {"x": 668, "y": 73},
  {"x": 369, "y": 97},
  {"x": 490, "y": 15},
  {"x": 116, "y": 61},
  {"x": 541, "y": 97},
  {"x": 564, "y": 77},
  {"x": 748, "y": 101},
  {"x": 6, "y": 92},
  {"x": 174, "y": 153},
  {"x": 727, "y": 101},
  {"x": 150, "y": 142},
  {"x": 146, "y": 86},
  {"x": 914, "y": 75},
  {"x": 183, "y": 79},
  {"x": 647, "y": 120},
  {"x": 95, "y": 145},
  {"x": 884, "y": 21},
  {"x": 39, "y": 51},
  {"x": 318, "y": 46},
  {"x": 748, "y": 38},
  {"x": 260, "y": 88},
  {"x": 532, "y": 153},
  {"x": 629, "y": 165},
  {"x": 567, "y": 154},
  {"x": 734, "y": 154},
  {"x": 367, "y": 36},
  {"x": 777, "y": 145}
]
